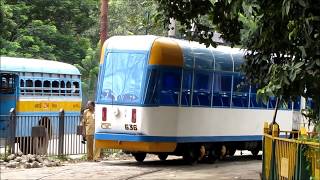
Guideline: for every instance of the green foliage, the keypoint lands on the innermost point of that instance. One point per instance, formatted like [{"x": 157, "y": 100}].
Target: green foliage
[
  {"x": 46, "y": 29},
  {"x": 89, "y": 69},
  {"x": 133, "y": 17},
  {"x": 282, "y": 39},
  {"x": 68, "y": 30}
]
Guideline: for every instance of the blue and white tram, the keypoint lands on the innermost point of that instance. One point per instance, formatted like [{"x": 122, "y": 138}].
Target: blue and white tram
[{"x": 167, "y": 96}]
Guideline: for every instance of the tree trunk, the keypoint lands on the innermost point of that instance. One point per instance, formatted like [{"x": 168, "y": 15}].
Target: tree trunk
[
  {"x": 103, "y": 22},
  {"x": 276, "y": 111}
]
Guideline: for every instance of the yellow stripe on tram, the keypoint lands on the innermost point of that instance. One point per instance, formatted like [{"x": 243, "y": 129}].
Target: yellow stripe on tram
[
  {"x": 44, "y": 106},
  {"x": 137, "y": 146}
]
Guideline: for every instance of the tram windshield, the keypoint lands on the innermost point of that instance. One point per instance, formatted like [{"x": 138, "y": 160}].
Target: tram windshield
[{"x": 123, "y": 77}]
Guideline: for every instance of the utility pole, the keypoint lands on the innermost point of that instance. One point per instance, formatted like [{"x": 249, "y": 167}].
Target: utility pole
[
  {"x": 172, "y": 28},
  {"x": 103, "y": 22}
]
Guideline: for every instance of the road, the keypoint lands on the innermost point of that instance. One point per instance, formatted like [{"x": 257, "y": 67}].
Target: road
[{"x": 237, "y": 167}]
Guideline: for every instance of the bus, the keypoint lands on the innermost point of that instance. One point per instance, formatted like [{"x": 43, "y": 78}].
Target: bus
[
  {"x": 167, "y": 96},
  {"x": 37, "y": 90}
]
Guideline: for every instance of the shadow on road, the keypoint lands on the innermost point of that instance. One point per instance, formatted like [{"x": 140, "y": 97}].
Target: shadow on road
[{"x": 178, "y": 161}]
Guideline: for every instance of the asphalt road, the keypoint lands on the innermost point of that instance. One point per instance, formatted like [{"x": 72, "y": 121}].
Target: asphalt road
[{"x": 237, "y": 167}]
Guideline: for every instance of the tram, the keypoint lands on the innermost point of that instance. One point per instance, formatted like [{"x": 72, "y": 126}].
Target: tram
[{"x": 167, "y": 96}]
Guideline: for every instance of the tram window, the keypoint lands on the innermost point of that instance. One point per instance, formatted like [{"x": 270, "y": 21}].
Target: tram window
[
  {"x": 238, "y": 61},
  {"x": 297, "y": 104},
  {"x": 240, "y": 96},
  {"x": 283, "y": 104},
  {"x": 272, "y": 102},
  {"x": 222, "y": 89},
  {"x": 310, "y": 103},
  {"x": 68, "y": 88},
  {"x": 55, "y": 88},
  {"x": 203, "y": 58},
  {"x": 256, "y": 102},
  {"x": 62, "y": 88},
  {"x": 29, "y": 87},
  {"x": 47, "y": 87},
  {"x": 169, "y": 87},
  {"x": 202, "y": 89},
  {"x": 223, "y": 61},
  {"x": 151, "y": 94},
  {"x": 186, "y": 88},
  {"x": 38, "y": 87},
  {"x": 76, "y": 88},
  {"x": 187, "y": 56}
]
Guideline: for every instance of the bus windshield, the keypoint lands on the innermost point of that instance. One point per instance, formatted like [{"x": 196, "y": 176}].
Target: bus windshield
[{"x": 122, "y": 80}]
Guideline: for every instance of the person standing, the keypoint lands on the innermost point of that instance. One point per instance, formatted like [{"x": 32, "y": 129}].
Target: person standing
[{"x": 88, "y": 122}]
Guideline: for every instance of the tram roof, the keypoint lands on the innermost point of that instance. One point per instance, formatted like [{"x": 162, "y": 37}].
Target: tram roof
[
  {"x": 220, "y": 58},
  {"x": 13, "y": 64},
  {"x": 144, "y": 42}
]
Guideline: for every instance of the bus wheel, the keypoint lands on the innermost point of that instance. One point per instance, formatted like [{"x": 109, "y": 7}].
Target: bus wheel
[
  {"x": 163, "y": 156},
  {"x": 139, "y": 156},
  {"x": 190, "y": 156}
]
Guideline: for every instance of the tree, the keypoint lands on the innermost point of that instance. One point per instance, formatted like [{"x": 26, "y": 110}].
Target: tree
[
  {"x": 48, "y": 29},
  {"x": 134, "y": 17},
  {"x": 89, "y": 70},
  {"x": 281, "y": 38}
]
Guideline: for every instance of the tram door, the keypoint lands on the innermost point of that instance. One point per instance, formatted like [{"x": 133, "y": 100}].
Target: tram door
[{"x": 8, "y": 99}]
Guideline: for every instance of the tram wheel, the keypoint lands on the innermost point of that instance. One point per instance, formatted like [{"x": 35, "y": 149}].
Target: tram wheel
[
  {"x": 212, "y": 156},
  {"x": 163, "y": 156},
  {"x": 139, "y": 156},
  {"x": 232, "y": 151},
  {"x": 255, "y": 152},
  {"x": 191, "y": 156}
]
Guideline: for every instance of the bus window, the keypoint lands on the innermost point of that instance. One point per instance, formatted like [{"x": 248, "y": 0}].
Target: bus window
[
  {"x": 38, "y": 87},
  {"x": 76, "y": 88},
  {"x": 240, "y": 95},
  {"x": 55, "y": 88},
  {"x": 62, "y": 88},
  {"x": 222, "y": 89},
  {"x": 29, "y": 87},
  {"x": 202, "y": 89},
  {"x": 7, "y": 85},
  {"x": 186, "y": 88},
  {"x": 47, "y": 87},
  {"x": 22, "y": 90},
  {"x": 169, "y": 87},
  {"x": 68, "y": 87}
]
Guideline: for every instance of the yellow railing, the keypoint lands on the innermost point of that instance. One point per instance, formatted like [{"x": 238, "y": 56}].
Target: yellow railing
[{"x": 285, "y": 158}]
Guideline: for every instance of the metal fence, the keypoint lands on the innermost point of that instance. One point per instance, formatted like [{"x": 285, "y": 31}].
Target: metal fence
[
  {"x": 45, "y": 134},
  {"x": 291, "y": 157}
]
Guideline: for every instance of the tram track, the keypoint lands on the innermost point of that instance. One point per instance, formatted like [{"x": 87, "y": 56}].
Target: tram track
[{"x": 143, "y": 173}]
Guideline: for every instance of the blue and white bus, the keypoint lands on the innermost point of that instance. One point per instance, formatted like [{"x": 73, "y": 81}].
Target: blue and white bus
[
  {"x": 166, "y": 96},
  {"x": 37, "y": 90}
]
